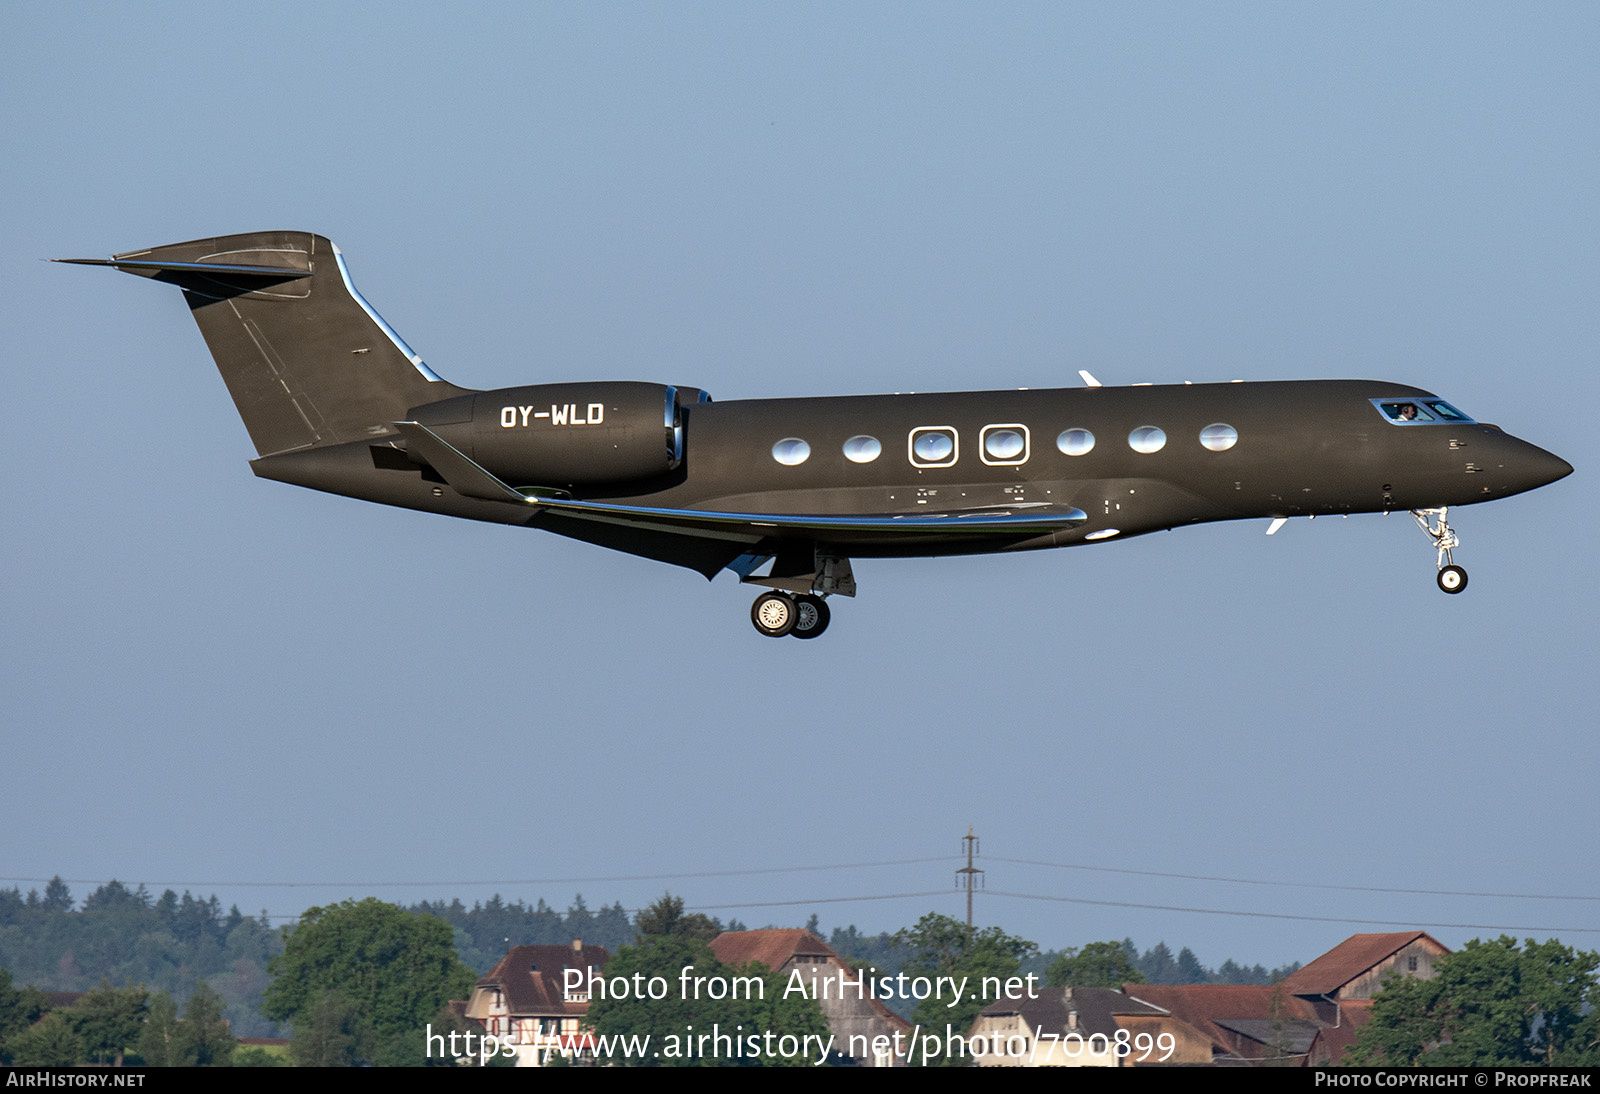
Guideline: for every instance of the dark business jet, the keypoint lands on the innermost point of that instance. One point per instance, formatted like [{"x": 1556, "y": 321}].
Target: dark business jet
[{"x": 785, "y": 492}]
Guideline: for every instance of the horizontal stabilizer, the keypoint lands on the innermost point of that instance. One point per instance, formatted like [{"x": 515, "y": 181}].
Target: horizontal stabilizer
[
  {"x": 150, "y": 269},
  {"x": 463, "y": 473}
]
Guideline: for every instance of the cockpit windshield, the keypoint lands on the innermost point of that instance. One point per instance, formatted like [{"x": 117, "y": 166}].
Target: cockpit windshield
[{"x": 1424, "y": 411}]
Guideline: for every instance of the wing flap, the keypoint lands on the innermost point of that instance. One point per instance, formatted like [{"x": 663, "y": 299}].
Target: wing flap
[{"x": 1006, "y": 520}]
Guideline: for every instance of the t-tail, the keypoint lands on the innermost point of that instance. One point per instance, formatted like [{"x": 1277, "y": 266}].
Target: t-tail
[{"x": 309, "y": 362}]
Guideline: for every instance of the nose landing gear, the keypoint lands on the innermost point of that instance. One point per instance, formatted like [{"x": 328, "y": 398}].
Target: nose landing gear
[{"x": 1452, "y": 578}]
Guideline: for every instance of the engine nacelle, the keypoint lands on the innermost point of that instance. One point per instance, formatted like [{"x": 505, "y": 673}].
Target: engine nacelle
[{"x": 559, "y": 434}]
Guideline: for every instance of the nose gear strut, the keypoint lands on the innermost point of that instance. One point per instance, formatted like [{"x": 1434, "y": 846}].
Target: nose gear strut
[{"x": 1452, "y": 578}]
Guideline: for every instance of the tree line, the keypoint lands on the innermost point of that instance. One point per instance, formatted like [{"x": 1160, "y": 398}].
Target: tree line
[
  {"x": 107, "y": 1024},
  {"x": 169, "y": 943},
  {"x": 357, "y": 982},
  {"x": 1098, "y": 964},
  {"x": 484, "y": 930}
]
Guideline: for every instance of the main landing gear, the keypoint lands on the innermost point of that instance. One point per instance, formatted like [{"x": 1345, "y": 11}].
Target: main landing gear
[
  {"x": 778, "y": 614},
  {"x": 802, "y": 576},
  {"x": 1452, "y": 578}
]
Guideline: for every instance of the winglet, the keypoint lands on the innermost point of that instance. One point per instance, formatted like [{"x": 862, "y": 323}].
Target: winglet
[{"x": 1088, "y": 380}]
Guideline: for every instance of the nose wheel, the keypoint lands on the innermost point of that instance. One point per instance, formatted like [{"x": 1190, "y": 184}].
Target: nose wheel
[
  {"x": 778, "y": 614},
  {"x": 1452, "y": 578}
]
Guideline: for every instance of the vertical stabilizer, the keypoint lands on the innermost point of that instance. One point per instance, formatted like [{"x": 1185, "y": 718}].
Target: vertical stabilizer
[{"x": 308, "y": 362}]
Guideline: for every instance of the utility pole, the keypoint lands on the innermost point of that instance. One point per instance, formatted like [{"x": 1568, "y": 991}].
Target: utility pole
[{"x": 969, "y": 877}]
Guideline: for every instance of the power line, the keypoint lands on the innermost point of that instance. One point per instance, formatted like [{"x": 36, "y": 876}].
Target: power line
[
  {"x": 1122, "y": 904},
  {"x": 823, "y": 900},
  {"x": 1169, "y": 908},
  {"x": 766, "y": 871},
  {"x": 1287, "y": 884},
  {"x": 756, "y": 872},
  {"x": 1287, "y": 915},
  {"x": 502, "y": 882}
]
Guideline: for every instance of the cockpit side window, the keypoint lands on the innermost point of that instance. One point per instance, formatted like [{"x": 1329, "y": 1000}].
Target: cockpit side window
[
  {"x": 1421, "y": 411},
  {"x": 1445, "y": 411},
  {"x": 1406, "y": 412}
]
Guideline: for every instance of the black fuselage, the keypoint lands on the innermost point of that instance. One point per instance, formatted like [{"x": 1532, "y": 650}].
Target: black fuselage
[{"x": 1302, "y": 448}]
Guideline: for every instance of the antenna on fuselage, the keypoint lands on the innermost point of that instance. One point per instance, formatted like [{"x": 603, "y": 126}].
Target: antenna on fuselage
[{"x": 1088, "y": 380}]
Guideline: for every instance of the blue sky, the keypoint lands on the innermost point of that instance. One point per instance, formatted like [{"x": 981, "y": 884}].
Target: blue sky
[{"x": 211, "y": 679}]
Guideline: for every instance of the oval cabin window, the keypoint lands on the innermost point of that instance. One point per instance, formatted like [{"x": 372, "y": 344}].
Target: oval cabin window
[
  {"x": 862, "y": 449},
  {"x": 791, "y": 451},
  {"x": 1219, "y": 436},
  {"x": 1005, "y": 444},
  {"x": 1147, "y": 439},
  {"x": 1075, "y": 442}
]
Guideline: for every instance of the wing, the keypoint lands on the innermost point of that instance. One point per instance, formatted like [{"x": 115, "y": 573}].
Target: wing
[{"x": 708, "y": 540}]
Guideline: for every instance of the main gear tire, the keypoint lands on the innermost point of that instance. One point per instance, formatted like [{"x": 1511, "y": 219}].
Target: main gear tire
[
  {"x": 811, "y": 616},
  {"x": 774, "y": 614}
]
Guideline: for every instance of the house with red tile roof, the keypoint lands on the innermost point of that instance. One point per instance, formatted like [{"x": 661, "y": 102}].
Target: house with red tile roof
[
  {"x": 1356, "y": 967},
  {"x": 1341, "y": 983},
  {"x": 1245, "y": 1023},
  {"x": 524, "y": 1001},
  {"x": 1078, "y": 1027},
  {"x": 863, "y": 1028},
  {"x": 1308, "y": 1018}
]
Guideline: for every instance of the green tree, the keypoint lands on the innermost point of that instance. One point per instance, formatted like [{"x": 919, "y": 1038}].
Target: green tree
[
  {"x": 945, "y": 947},
  {"x": 392, "y": 969},
  {"x": 52, "y": 1043},
  {"x": 675, "y": 1020},
  {"x": 1489, "y": 1004},
  {"x": 57, "y": 897},
  {"x": 1190, "y": 971},
  {"x": 666, "y": 918},
  {"x": 160, "y": 1044},
  {"x": 256, "y": 1056},
  {"x": 328, "y": 1034},
  {"x": 19, "y": 1009},
  {"x": 1159, "y": 966},
  {"x": 634, "y": 1013},
  {"x": 123, "y": 937},
  {"x": 580, "y": 921},
  {"x": 1097, "y": 965},
  {"x": 784, "y": 1014},
  {"x": 109, "y": 1020},
  {"x": 445, "y": 1022},
  {"x": 202, "y": 1039},
  {"x": 207, "y": 1040}
]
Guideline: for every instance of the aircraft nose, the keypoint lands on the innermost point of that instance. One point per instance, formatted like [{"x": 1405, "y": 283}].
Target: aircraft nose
[{"x": 1528, "y": 467}]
